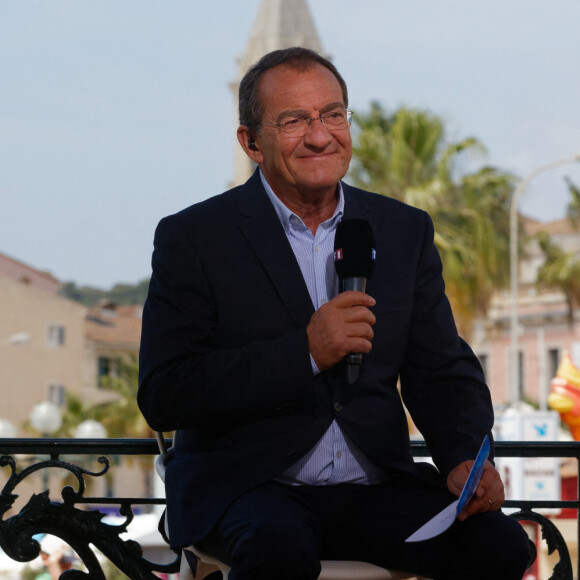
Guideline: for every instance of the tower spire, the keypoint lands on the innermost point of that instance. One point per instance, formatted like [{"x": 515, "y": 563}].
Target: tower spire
[{"x": 278, "y": 24}]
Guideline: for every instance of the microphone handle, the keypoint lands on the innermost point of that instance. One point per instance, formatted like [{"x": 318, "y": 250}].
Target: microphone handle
[
  {"x": 354, "y": 359},
  {"x": 358, "y": 284}
]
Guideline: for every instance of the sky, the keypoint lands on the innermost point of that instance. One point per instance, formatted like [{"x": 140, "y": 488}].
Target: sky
[{"x": 116, "y": 113}]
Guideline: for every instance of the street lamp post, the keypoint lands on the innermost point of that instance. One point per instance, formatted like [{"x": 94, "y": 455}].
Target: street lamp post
[
  {"x": 514, "y": 330},
  {"x": 91, "y": 429},
  {"x": 46, "y": 418}
]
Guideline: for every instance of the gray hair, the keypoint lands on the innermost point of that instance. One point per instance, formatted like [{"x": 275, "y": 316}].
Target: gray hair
[{"x": 250, "y": 110}]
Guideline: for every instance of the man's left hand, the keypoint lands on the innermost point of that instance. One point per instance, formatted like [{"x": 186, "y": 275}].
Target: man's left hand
[{"x": 489, "y": 494}]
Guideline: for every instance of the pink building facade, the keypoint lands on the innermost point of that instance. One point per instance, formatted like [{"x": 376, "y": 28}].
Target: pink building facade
[{"x": 545, "y": 328}]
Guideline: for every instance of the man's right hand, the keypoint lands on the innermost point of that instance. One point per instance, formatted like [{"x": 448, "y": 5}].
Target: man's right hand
[{"x": 340, "y": 327}]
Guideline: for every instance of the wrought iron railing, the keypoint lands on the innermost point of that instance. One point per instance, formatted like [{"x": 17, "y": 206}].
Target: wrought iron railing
[{"x": 76, "y": 520}]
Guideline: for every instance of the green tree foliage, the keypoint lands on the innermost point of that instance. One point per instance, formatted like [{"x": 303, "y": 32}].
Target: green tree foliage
[
  {"x": 75, "y": 413},
  {"x": 121, "y": 294},
  {"x": 406, "y": 156},
  {"x": 573, "y": 211},
  {"x": 561, "y": 269},
  {"x": 121, "y": 415}
]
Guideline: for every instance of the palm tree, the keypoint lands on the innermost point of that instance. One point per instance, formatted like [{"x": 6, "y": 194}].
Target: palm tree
[
  {"x": 121, "y": 416},
  {"x": 406, "y": 156},
  {"x": 473, "y": 240},
  {"x": 560, "y": 270},
  {"x": 573, "y": 211}
]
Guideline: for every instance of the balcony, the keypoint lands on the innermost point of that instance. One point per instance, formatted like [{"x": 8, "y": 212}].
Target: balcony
[{"x": 82, "y": 520}]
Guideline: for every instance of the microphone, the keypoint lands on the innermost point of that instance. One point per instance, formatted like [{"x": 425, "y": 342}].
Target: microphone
[{"x": 354, "y": 261}]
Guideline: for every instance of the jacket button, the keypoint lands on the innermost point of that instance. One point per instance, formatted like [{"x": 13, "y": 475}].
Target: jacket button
[
  {"x": 337, "y": 407},
  {"x": 292, "y": 455}
]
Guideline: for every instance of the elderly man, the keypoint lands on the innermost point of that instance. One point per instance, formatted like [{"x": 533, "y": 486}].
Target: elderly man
[{"x": 280, "y": 460}]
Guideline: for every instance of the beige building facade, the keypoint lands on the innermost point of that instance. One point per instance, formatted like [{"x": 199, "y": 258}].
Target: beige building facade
[
  {"x": 50, "y": 347},
  {"x": 42, "y": 348}
]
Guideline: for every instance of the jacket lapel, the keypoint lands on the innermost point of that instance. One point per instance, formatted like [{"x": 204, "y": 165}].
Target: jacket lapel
[{"x": 261, "y": 227}]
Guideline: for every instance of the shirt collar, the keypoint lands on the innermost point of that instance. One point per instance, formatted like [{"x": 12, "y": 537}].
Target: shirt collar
[{"x": 286, "y": 216}]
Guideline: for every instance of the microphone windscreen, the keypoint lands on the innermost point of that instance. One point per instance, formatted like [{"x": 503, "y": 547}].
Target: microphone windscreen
[{"x": 354, "y": 249}]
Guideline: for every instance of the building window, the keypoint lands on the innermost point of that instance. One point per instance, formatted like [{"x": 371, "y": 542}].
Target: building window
[
  {"x": 55, "y": 335},
  {"x": 106, "y": 367},
  {"x": 553, "y": 362},
  {"x": 57, "y": 394}
]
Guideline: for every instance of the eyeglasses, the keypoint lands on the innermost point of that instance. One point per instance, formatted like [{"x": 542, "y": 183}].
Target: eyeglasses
[{"x": 335, "y": 120}]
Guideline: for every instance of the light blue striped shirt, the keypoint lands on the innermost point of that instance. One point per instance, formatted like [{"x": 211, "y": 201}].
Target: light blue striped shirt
[{"x": 335, "y": 458}]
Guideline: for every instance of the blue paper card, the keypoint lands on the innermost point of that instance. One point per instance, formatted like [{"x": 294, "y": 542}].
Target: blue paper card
[{"x": 443, "y": 520}]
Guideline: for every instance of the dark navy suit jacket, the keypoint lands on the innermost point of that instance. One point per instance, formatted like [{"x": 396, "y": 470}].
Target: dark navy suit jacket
[{"x": 224, "y": 354}]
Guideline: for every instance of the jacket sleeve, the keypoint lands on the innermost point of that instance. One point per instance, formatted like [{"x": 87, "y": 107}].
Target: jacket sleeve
[
  {"x": 442, "y": 382},
  {"x": 188, "y": 377}
]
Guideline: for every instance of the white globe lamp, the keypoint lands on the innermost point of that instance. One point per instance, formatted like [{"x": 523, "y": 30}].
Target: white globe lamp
[
  {"x": 46, "y": 417},
  {"x": 90, "y": 429},
  {"x": 7, "y": 429}
]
